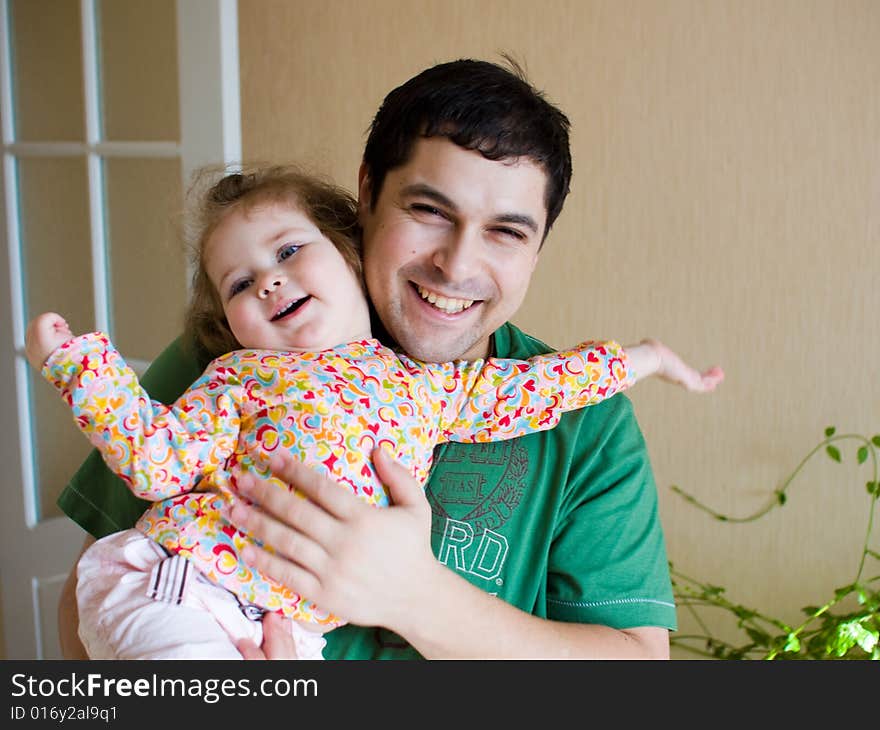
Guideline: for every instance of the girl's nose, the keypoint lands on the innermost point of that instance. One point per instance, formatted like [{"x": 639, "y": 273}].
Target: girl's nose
[{"x": 270, "y": 284}]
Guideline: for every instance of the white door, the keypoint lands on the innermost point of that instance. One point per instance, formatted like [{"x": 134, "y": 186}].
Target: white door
[{"x": 107, "y": 107}]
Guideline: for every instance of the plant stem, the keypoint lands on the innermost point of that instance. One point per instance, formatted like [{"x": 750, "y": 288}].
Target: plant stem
[{"x": 691, "y": 593}]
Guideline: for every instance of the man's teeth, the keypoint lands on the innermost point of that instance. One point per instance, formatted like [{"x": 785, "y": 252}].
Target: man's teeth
[{"x": 445, "y": 304}]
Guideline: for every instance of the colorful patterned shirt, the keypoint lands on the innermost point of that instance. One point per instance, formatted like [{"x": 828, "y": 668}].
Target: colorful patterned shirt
[{"x": 329, "y": 409}]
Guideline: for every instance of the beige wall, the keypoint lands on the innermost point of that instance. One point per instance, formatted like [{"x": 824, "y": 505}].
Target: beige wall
[{"x": 726, "y": 199}]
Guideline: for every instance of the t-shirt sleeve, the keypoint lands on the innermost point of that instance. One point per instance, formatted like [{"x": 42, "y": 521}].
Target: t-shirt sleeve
[
  {"x": 97, "y": 499},
  {"x": 608, "y": 563}
]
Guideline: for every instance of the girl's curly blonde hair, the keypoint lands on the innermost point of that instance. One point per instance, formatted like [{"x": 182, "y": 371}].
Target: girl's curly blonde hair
[{"x": 331, "y": 208}]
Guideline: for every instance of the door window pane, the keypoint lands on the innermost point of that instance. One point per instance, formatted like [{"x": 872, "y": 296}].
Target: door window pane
[
  {"x": 55, "y": 239},
  {"x": 47, "y": 70},
  {"x": 138, "y": 50},
  {"x": 56, "y": 255},
  {"x": 59, "y": 447},
  {"x": 147, "y": 258}
]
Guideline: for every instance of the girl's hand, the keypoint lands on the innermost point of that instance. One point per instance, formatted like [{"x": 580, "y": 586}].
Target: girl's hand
[
  {"x": 45, "y": 334},
  {"x": 652, "y": 357}
]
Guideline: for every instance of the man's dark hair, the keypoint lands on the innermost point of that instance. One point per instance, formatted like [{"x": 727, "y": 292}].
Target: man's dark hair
[{"x": 480, "y": 106}]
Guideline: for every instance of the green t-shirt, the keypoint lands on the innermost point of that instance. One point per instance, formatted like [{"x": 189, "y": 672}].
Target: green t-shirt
[{"x": 562, "y": 524}]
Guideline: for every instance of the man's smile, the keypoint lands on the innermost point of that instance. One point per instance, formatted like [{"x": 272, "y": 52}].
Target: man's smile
[{"x": 448, "y": 305}]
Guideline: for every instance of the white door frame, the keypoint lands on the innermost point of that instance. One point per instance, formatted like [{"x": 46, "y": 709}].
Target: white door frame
[{"x": 36, "y": 555}]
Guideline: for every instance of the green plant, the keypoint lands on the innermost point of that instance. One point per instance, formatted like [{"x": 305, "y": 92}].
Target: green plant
[{"x": 833, "y": 630}]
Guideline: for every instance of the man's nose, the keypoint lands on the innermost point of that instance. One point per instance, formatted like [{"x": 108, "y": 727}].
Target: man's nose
[
  {"x": 269, "y": 283},
  {"x": 458, "y": 255}
]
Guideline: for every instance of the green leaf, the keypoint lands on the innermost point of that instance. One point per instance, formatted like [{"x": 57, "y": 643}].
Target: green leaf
[
  {"x": 851, "y": 633},
  {"x": 793, "y": 644},
  {"x": 868, "y": 641},
  {"x": 833, "y": 452},
  {"x": 816, "y": 646},
  {"x": 876, "y": 441},
  {"x": 844, "y": 638},
  {"x": 809, "y": 610},
  {"x": 871, "y": 487},
  {"x": 780, "y": 497},
  {"x": 759, "y": 637},
  {"x": 746, "y": 614},
  {"x": 862, "y": 456},
  {"x": 829, "y": 432}
]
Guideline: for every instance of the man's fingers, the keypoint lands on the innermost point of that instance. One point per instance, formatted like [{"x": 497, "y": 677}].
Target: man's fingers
[
  {"x": 277, "y": 639},
  {"x": 283, "y": 506},
  {"x": 295, "y": 576},
  {"x": 402, "y": 487},
  {"x": 249, "y": 650},
  {"x": 290, "y": 542},
  {"x": 322, "y": 490}
]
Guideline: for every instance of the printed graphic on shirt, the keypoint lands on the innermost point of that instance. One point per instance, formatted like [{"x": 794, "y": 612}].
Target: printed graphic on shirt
[
  {"x": 458, "y": 551},
  {"x": 473, "y": 492},
  {"x": 472, "y": 496}
]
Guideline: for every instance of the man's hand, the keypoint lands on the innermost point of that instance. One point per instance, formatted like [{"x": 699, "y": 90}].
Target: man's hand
[
  {"x": 277, "y": 641},
  {"x": 351, "y": 559},
  {"x": 375, "y": 568},
  {"x": 45, "y": 334}
]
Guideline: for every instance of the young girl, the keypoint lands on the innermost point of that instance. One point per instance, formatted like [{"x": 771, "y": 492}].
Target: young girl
[{"x": 278, "y": 289}]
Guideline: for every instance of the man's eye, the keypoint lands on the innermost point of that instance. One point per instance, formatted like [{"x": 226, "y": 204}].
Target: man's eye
[
  {"x": 511, "y": 233},
  {"x": 426, "y": 209},
  {"x": 238, "y": 287},
  {"x": 287, "y": 251}
]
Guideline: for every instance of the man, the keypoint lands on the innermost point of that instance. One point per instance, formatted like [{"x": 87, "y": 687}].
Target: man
[{"x": 545, "y": 546}]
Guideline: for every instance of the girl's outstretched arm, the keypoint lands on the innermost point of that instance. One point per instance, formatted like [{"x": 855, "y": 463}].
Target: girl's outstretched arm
[{"x": 652, "y": 357}]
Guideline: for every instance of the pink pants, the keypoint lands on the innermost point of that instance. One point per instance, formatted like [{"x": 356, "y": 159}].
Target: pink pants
[{"x": 122, "y": 615}]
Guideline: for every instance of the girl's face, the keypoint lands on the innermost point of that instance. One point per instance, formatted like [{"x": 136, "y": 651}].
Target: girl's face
[{"x": 283, "y": 284}]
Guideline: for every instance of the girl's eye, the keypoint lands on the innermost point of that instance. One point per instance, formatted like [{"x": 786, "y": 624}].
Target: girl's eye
[
  {"x": 287, "y": 251},
  {"x": 238, "y": 287}
]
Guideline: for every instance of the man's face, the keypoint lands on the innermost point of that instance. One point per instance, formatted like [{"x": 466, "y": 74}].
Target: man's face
[{"x": 450, "y": 247}]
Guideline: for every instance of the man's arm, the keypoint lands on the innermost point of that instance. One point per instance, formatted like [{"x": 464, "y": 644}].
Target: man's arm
[
  {"x": 68, "y": 615},
  {"x": 376, "y": 568}
]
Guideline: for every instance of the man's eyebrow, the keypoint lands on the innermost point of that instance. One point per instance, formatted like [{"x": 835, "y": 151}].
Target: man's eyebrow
[
  {"x": 421, "y": 190},
  {"x": 520, "y": 219}
]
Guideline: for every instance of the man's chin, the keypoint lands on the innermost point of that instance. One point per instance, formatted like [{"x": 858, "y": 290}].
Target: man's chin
[{"x": 430, "y": 348}]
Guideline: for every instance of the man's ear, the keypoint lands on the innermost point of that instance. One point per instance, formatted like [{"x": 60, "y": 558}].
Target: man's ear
[{"x": 365, "y": 188}]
